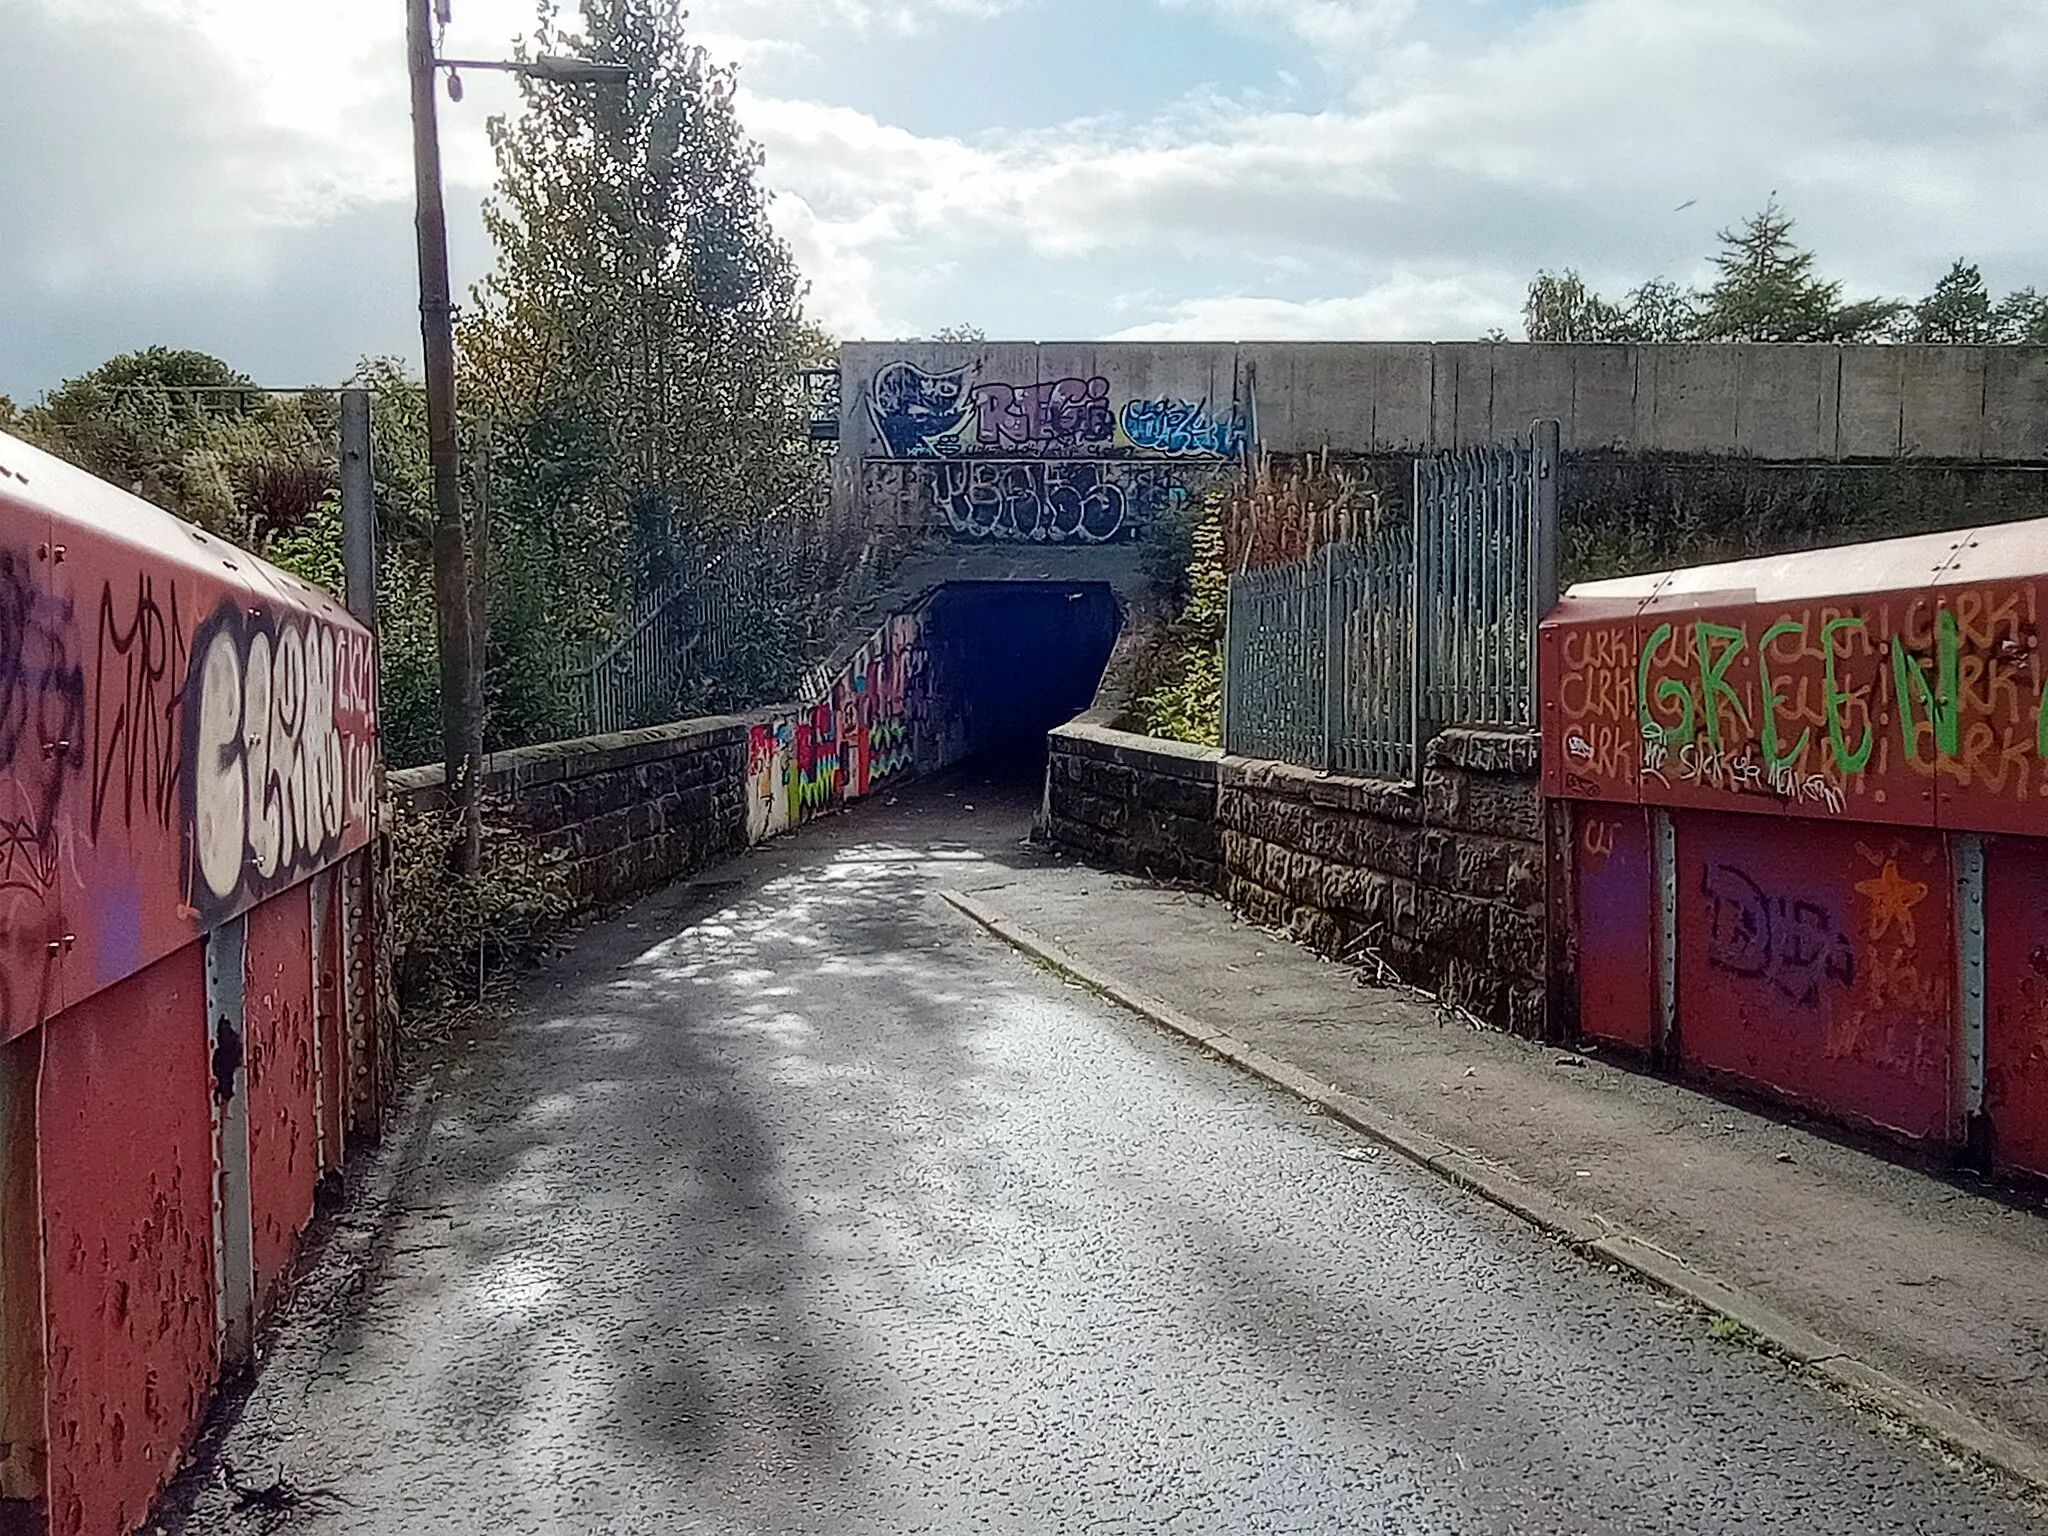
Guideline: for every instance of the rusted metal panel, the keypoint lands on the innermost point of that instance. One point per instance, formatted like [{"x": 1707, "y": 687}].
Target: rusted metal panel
[
  {"x": 330, "y": 1031},
  {"x": 1615, "y": 907},
  {"x": 127, "y": 1170},
  {"x": 42, "y": 704},
  {"x": 1899, "y": 683},
  {"x": 197, "y": 730},
  {"x": 2016, "y": 1000},
  {"x": 284, "y": 1157},
  {"x": 1820, "y": 966}
]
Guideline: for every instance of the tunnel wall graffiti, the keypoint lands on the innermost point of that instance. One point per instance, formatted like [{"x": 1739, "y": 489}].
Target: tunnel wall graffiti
[
  {"x": 1794, "y": 789},
  {"x": 188, "y": 766}
]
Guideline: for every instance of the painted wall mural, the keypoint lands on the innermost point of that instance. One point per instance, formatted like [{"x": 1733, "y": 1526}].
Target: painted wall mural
[
  {"x": 1057, "y": 460},
  {"x": 855, "y": 739}
]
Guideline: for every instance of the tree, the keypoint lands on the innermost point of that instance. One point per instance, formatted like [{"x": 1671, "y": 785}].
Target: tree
[
  {"x": 201, "y": 440},
  {"x": 1957, "y": 311},
  {"x": 2021, "y": 316},
  {"x": 1767, "y": 290},
  {"x": 1560, "y": 307},
  {"x": 958, "y": 333},
  {"x": 638, "y": 339}
]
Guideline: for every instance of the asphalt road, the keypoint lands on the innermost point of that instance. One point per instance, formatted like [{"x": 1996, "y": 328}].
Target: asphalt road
[{"x": 791, "y": 1202}]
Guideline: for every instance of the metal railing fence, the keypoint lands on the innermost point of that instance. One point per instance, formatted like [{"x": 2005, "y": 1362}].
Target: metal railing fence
[{"x": 1349, "y": 661}]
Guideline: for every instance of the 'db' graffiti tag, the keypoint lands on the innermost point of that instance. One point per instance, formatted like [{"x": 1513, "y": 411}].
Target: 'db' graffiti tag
[
  {"x": 276, "y": 734},
  {"x": 1794, "y": 943}
]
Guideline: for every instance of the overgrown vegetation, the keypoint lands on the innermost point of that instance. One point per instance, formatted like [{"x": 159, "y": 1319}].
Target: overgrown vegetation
[
  {"x": 1182, "y": 696},
  {"x": 1625, "y": 513},
  {"x": 450, "y": 932},
  {"x": 1280, "y": 511},
  {"x": 632, "y": 416},
  {"x": 1768, "y": 288}
]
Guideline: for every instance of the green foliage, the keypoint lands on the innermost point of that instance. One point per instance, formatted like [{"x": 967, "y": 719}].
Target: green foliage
[
  {"x": 312, "y": 551},
  {"x": 450, "y": 930},
  {"x": 1625, "y": 513},
  {"x": 187, "y": 432},
  {"x": 643, "y": 317},
  {"x": 1959, "y": 310},
  {"x": 1185, "y": 700},
  {"x": 1767, "y": 288}
]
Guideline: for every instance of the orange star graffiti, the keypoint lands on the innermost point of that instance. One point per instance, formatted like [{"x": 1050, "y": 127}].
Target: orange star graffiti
[{"x": 1892, "y": 900}]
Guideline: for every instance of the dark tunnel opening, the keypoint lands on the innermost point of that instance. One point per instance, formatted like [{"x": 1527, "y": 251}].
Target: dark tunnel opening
[{"x": 1010, "y": 660}]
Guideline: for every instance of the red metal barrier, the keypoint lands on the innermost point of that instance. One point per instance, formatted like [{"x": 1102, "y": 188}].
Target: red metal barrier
[
  {"x": 1809, "y": 798},
  {"x": 187, "y": 772}
]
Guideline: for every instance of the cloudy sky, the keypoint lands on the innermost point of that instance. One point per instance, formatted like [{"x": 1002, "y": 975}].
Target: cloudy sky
[{"x": 234, "y": 174}]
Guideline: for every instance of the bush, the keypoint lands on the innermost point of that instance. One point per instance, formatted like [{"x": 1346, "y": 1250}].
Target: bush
[
  {"x": 450, "y": 932},
  {"x": 1184, "y": 697}
]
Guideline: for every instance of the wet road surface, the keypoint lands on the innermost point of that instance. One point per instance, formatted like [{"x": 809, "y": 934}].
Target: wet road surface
[{"x": 793, "y": 1203}]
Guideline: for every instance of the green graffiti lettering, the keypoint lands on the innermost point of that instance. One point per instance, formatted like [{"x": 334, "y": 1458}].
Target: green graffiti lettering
[
  {"x": 1714, "y": 684},
  {"x": 1667, "y": 691},
  {"x": 1772, "y": 699},
  {"x": 1941, "y": 701},
  {"x": 1846, "y": 760}
]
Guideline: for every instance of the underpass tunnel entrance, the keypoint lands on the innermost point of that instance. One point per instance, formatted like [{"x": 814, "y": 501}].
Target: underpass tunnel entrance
[{"x": 1010, "y": 660}]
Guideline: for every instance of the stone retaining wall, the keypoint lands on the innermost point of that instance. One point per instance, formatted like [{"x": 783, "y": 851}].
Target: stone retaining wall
[
  {"x": 1444, "y": 884},
  {"x": 1136, "y": 803},
  {"x": 630, "y": 811}
]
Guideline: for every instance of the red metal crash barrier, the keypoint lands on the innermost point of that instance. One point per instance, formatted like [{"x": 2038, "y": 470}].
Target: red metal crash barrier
[
  {"x": 187, "y": 775},
  {"x": 1807, "y": 803}
]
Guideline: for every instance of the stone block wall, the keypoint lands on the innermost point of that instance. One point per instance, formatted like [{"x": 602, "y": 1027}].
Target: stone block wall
[
  {"x": 1444, "y": 883},
  {"x": 629, "y": 811},
  {"x": 1136, "y": 803}
]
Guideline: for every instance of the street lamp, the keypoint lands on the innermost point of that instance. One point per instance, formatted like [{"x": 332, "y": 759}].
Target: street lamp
[{"x": 462, "y": 682}]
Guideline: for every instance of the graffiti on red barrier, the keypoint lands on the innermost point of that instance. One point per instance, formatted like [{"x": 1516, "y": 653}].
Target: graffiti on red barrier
[
  {"x": 1820, "y": 707},
  {"x": 275, "y": 718}
]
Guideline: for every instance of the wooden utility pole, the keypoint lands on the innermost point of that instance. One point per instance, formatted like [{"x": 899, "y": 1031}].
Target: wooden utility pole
[{"x": 461, "y": 678}]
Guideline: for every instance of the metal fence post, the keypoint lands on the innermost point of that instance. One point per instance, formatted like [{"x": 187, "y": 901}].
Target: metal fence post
[
  {"x": 1543, "y": 536},
  {"x": 1332, "y": 673},
  {"x": 1224, "y": 734},
  {"x": 358, "y": 508},
  {"x": 1418, "y": 668}
]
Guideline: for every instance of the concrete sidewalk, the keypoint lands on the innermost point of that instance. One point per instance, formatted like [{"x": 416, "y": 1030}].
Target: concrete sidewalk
[{"x": 1920, "y": 1295}]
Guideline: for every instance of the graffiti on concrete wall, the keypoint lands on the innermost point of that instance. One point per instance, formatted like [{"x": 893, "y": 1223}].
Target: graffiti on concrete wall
[
  {"x": 1039, "y": 460},
  {"x": 854, "y": 739},
  {"x": 1821, "y": 708},
  {"x": 1183, "y": 426},
  {"x": 917, "y": 414},
  {"x": 1051, "y": 503},
  {"x": 771, "y": 747},
  {"x": 275, "y": 741}
]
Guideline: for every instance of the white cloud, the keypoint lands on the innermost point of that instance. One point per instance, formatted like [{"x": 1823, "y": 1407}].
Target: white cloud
[
  {"x": 159, "y": 143},
  {"x": 1895, "y": 133},
  {"x": 1407, "y": 307}
]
